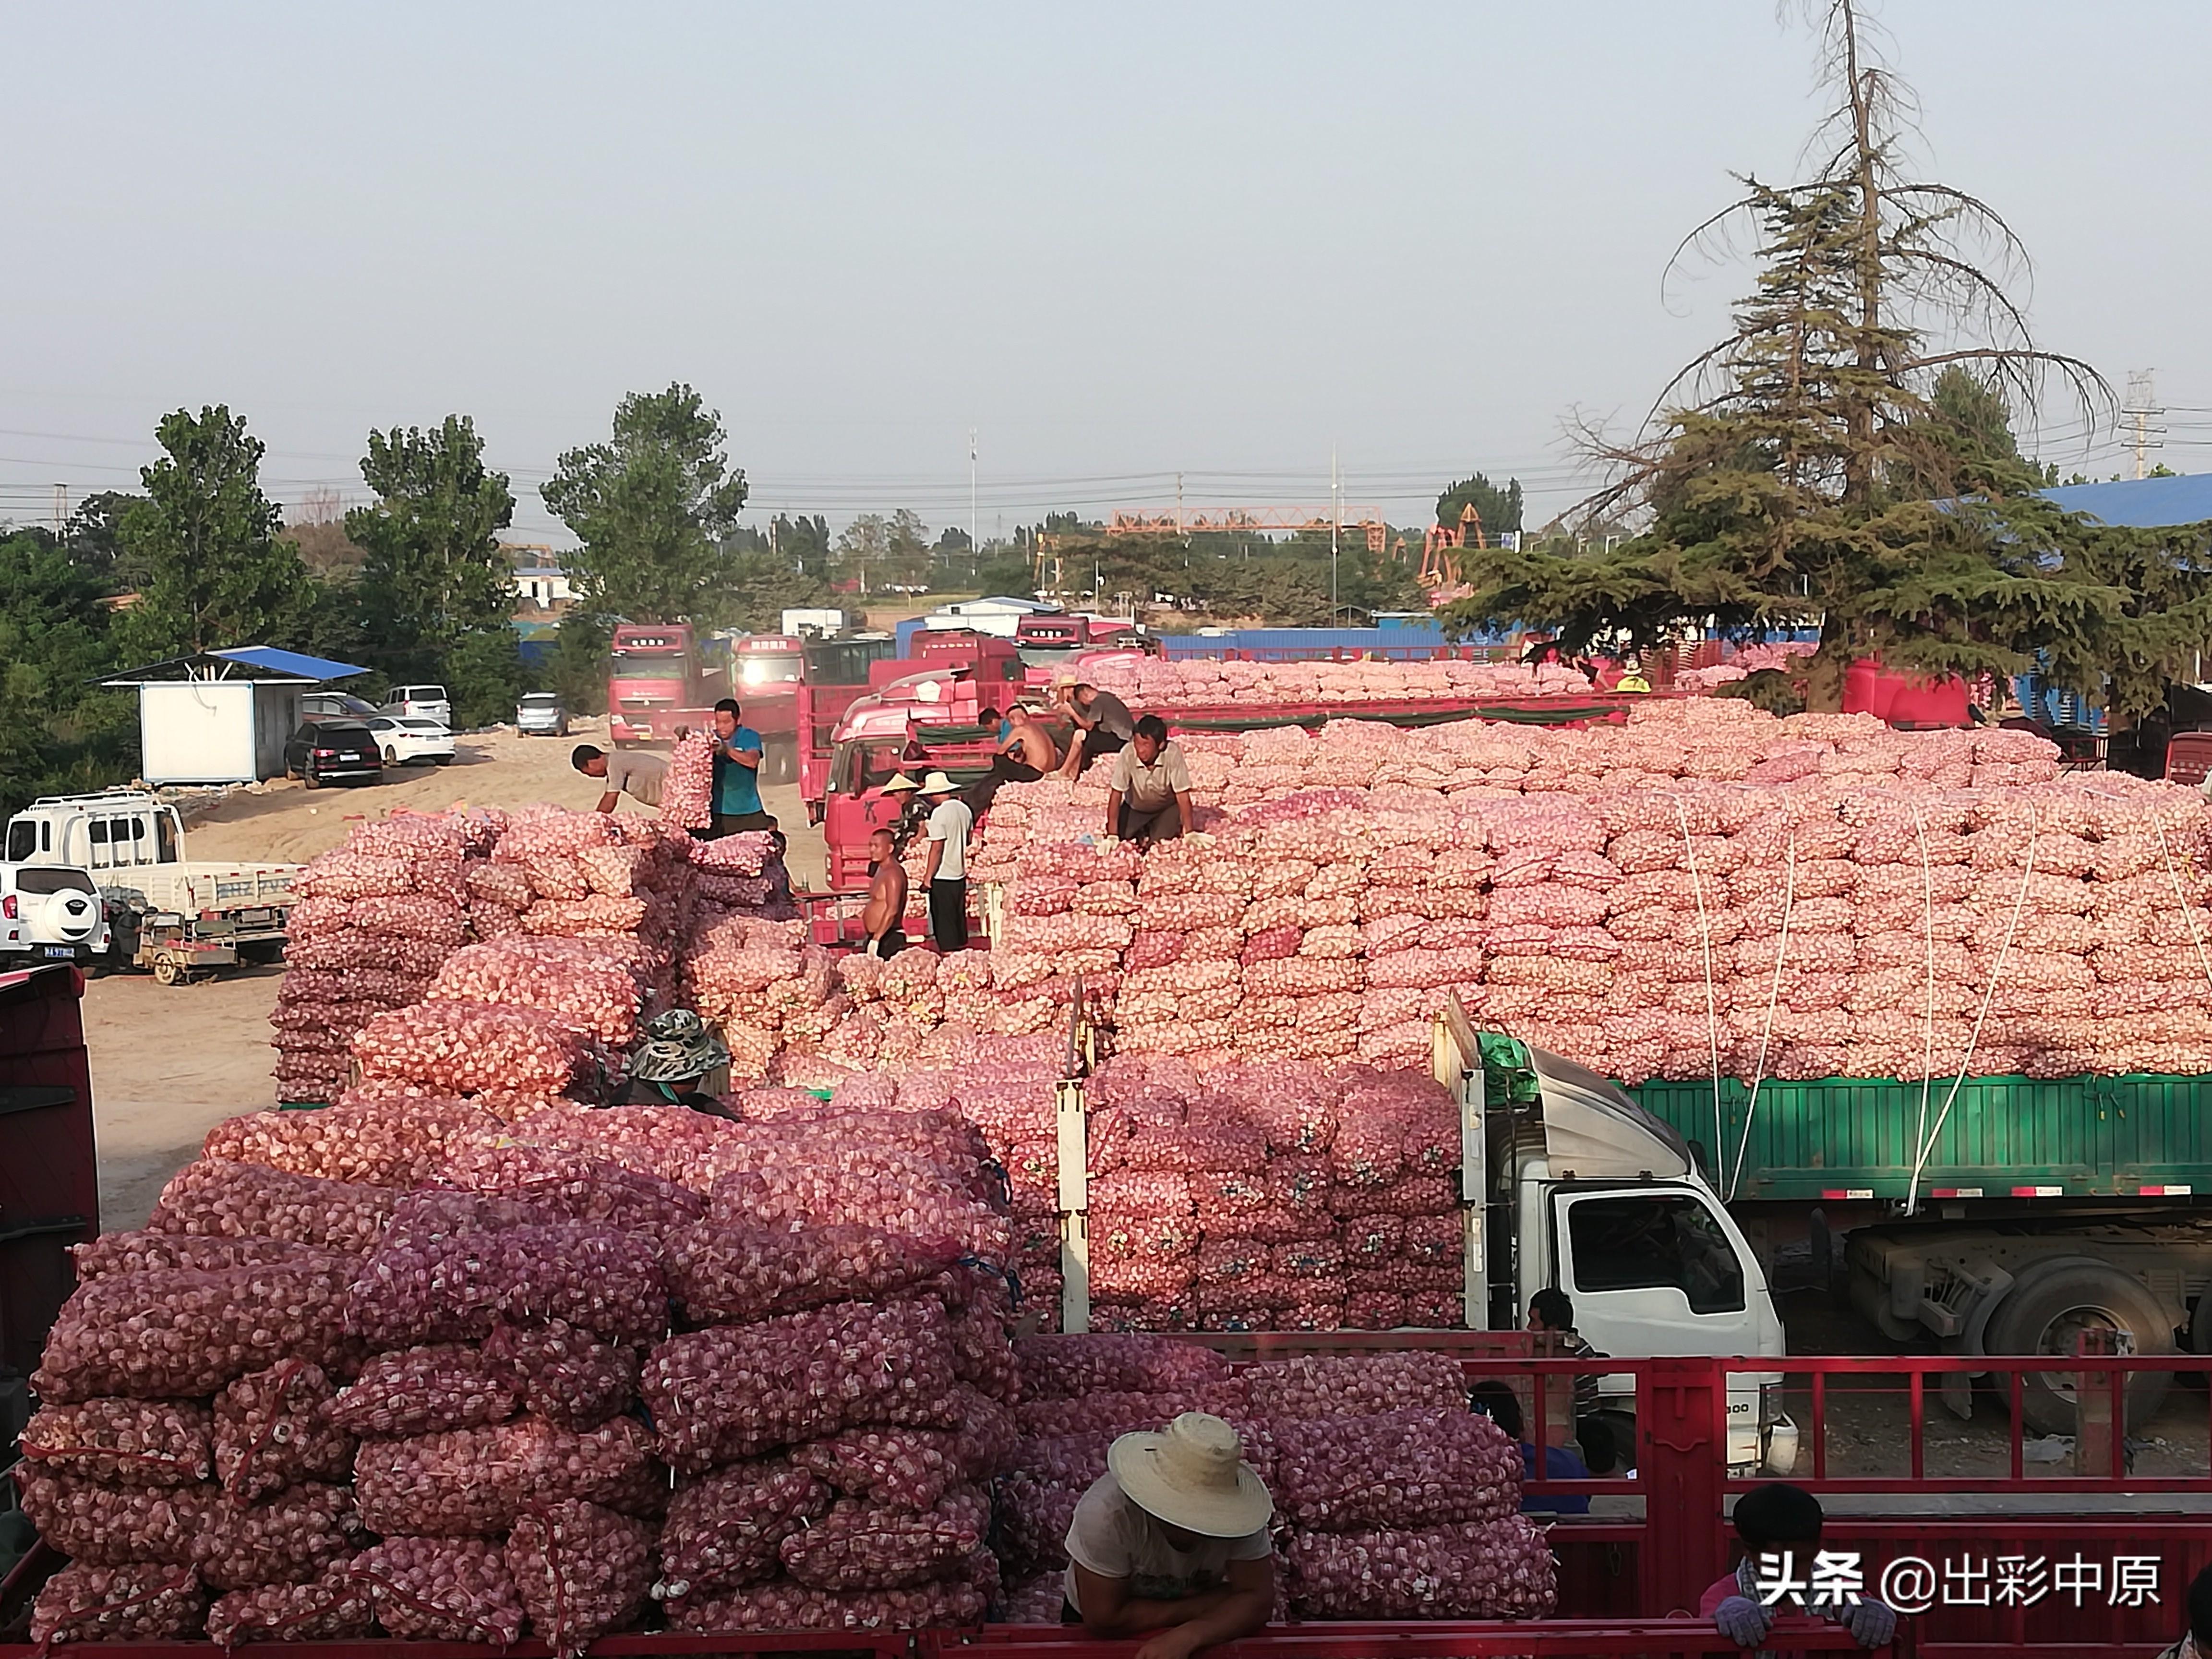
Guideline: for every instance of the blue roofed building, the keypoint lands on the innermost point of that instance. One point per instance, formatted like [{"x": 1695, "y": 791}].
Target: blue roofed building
[
  {"x": 2140, "y": 503},
  {"x": 222, "y": 716}
]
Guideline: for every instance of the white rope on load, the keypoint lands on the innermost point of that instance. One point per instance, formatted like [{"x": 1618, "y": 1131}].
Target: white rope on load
[
  {"x": 1712, "y": 993},
  {"x": 2180, "y": 898},
  {"x": 1774, "y": 1001},
  {"x": 1928, "y": 943},
  {"x": 1974, "y": 1037}
]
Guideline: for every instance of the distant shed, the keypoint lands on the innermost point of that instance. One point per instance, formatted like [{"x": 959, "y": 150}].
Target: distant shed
[{"x": 222, "y": 716}]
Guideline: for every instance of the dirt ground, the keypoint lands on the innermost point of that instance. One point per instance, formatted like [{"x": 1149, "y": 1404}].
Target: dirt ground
[
  {"x": 281, "y": 819},
  {"x": 170, "y": 1062}
]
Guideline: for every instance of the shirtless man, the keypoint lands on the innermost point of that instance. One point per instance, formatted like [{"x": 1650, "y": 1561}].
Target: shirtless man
[
  {"x": 1030, "y": 741},
  {"x": 881, "y": 918},
  {"x": 1026, "y": 754}
]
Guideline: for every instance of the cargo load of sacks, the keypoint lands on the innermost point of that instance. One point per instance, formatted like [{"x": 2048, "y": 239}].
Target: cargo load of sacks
[
  {"x": 1746, "y": 917},
  {"x": 1195, "y": 682},
  {"x": 372, "y": 922},
  {"x": 304, "y": 1407},
  {"x": 587, "y": 919}
]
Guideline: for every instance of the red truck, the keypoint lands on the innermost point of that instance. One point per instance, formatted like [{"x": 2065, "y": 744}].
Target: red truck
[
  {"x": 768, "y": 671},
  {"x": 913, "y": 720},
  {"x": 663, "y": 676}
]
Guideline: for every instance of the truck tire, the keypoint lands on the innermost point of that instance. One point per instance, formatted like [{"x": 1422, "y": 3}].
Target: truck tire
[
  {"x": 783, "y": 762},
  {"x": 2050, "y": 1304}
]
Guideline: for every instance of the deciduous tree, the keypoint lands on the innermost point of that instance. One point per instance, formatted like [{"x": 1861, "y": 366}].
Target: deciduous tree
[
  {"x": 651, "y": 507},
  {"x": 215, "y": 572}
]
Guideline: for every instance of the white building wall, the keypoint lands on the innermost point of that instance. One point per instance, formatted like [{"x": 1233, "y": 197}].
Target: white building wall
[{"x": 197, "y": 731}]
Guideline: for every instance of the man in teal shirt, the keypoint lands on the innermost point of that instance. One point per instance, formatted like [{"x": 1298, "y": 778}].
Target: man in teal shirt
[{"x": 738, "y": 754}]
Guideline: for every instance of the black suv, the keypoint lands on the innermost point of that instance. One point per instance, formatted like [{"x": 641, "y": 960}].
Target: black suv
[{"x": 331, "y": 752}]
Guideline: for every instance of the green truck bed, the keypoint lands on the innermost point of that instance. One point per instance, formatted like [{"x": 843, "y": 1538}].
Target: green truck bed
[{"x": 2129, "y": 1136}]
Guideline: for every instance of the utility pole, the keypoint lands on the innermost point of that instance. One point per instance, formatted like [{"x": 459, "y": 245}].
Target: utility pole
[
  {"x": 972, "y": 542},
  {"x": 61, "y": 508},
  {"x": 1179, "y": 508},
  {"x": 2140, "y": 407},
  {"x": 1336, "y": 528}
]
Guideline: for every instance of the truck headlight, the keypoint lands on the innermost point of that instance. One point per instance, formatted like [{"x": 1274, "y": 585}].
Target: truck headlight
[{"x": 1770, "y": 1404}]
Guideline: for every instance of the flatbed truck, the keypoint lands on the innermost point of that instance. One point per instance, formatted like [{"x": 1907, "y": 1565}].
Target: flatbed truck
[{"x": 1976, "y": 1216}]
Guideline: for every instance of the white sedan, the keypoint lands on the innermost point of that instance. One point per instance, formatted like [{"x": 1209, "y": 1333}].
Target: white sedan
[{"x": 407, "y": 738}]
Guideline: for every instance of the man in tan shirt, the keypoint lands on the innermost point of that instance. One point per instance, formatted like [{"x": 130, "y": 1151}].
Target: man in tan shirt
[
  {"x": 640, "y": 776},
  {"x": 1148, "y": 796}
]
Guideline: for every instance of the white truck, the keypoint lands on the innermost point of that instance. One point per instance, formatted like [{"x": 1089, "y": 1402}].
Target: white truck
[
  {"x": 1568, "y": 1183},
  {"x": 181, "y": 919}
]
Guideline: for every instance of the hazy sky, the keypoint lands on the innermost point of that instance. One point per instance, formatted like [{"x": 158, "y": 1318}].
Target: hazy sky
[{"x": 1119, "y": 241}]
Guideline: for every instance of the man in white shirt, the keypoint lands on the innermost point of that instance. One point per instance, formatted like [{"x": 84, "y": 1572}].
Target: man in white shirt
[
  {"x": 946, "y": 873},
  {"x": 1148, "y": 796},
  {"x": 1171, "y": 1543}
]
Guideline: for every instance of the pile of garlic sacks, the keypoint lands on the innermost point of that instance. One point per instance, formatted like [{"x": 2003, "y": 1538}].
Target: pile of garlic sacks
[
  {"x": 580, "y": 1371},
  {"x": 1201, "y": 682},
  {"x": 302, "y": 1406},
  {"x": 575, "y": 926},
  {"x": 1704, "y": 888}
]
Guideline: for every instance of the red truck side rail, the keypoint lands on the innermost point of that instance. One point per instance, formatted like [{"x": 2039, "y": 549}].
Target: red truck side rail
[{"x": 1631, "y": 1572}]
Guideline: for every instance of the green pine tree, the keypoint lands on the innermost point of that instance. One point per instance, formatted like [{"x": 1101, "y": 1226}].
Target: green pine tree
[{"x": 1815, "y": 469}]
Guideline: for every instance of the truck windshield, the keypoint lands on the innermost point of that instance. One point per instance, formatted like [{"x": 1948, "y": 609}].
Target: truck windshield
[
  {"x": 765, "y": 670},
  {"x": 1654, "y": 1242}
]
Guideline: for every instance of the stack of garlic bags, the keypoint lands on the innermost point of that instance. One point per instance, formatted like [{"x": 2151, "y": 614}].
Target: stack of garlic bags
[
  {"x": 339, "y": 1405},
  {"x": 1198, "y": 681},
  {"x": 1392, "y": 1500},
  {"x": 1706, "y": 887},
  {"x": 375, "y": 920}
]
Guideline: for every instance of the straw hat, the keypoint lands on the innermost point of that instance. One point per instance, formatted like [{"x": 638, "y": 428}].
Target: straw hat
[
  {"x": 901, "y": 784},
  {"x": 1192, "y": 1476},
  {"x": 937, "y": 784}
]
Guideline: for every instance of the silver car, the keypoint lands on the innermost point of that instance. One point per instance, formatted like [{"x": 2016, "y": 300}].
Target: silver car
[{"x": 541, "y": 715}]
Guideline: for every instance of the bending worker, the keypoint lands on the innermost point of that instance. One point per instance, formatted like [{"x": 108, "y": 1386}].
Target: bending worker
[
  {"x": 667, "y": 1068},
  {"x": 1104, "y": 720},
  {"x": 1171, "y": 1542},
  {"x": 640, "y": 776},
  {"x": 1148, "y": 796}
]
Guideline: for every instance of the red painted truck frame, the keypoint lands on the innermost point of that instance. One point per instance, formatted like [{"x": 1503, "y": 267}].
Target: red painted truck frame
[{"x": 1634, "y": 1578}]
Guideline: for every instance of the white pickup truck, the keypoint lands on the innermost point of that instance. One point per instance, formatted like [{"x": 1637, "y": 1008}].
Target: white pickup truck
[{"x": 178, "y": 917}]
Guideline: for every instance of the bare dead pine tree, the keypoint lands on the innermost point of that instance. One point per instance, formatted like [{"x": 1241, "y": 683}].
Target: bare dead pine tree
[{"x": 1798, "y": 473}]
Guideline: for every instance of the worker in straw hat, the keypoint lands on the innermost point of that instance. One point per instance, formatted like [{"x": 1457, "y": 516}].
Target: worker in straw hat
[
  {"x": 1171, "y": 1542},
  {"x": 946, "y": 873}
]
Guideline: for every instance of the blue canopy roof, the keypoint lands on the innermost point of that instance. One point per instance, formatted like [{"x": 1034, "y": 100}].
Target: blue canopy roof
[
  {"x": 2142, "y": 503},
  {"x": 241, "y": 662},
  {"x": 289, "y": 662}
]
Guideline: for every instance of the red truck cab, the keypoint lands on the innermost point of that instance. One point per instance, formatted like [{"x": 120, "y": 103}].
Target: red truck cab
[
  {"x": 930, "y": 720},
  {"x": 768, "y": 671},
  {"x": 659, "y": 679},
  {"x": 990, "y": 664},
  {"x": 837, "y": 677}
]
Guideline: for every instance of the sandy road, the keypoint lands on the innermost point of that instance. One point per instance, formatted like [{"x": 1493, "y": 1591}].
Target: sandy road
[{"x": 170, "y": 1062}]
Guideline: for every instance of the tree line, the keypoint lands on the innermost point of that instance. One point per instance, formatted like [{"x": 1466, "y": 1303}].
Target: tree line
[{"x": 417, "y": 586}]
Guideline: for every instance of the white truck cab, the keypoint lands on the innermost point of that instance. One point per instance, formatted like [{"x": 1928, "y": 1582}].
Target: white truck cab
[
  {"x": 172, "y": 914},
  {"x": 1571, "y": 1184}
]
